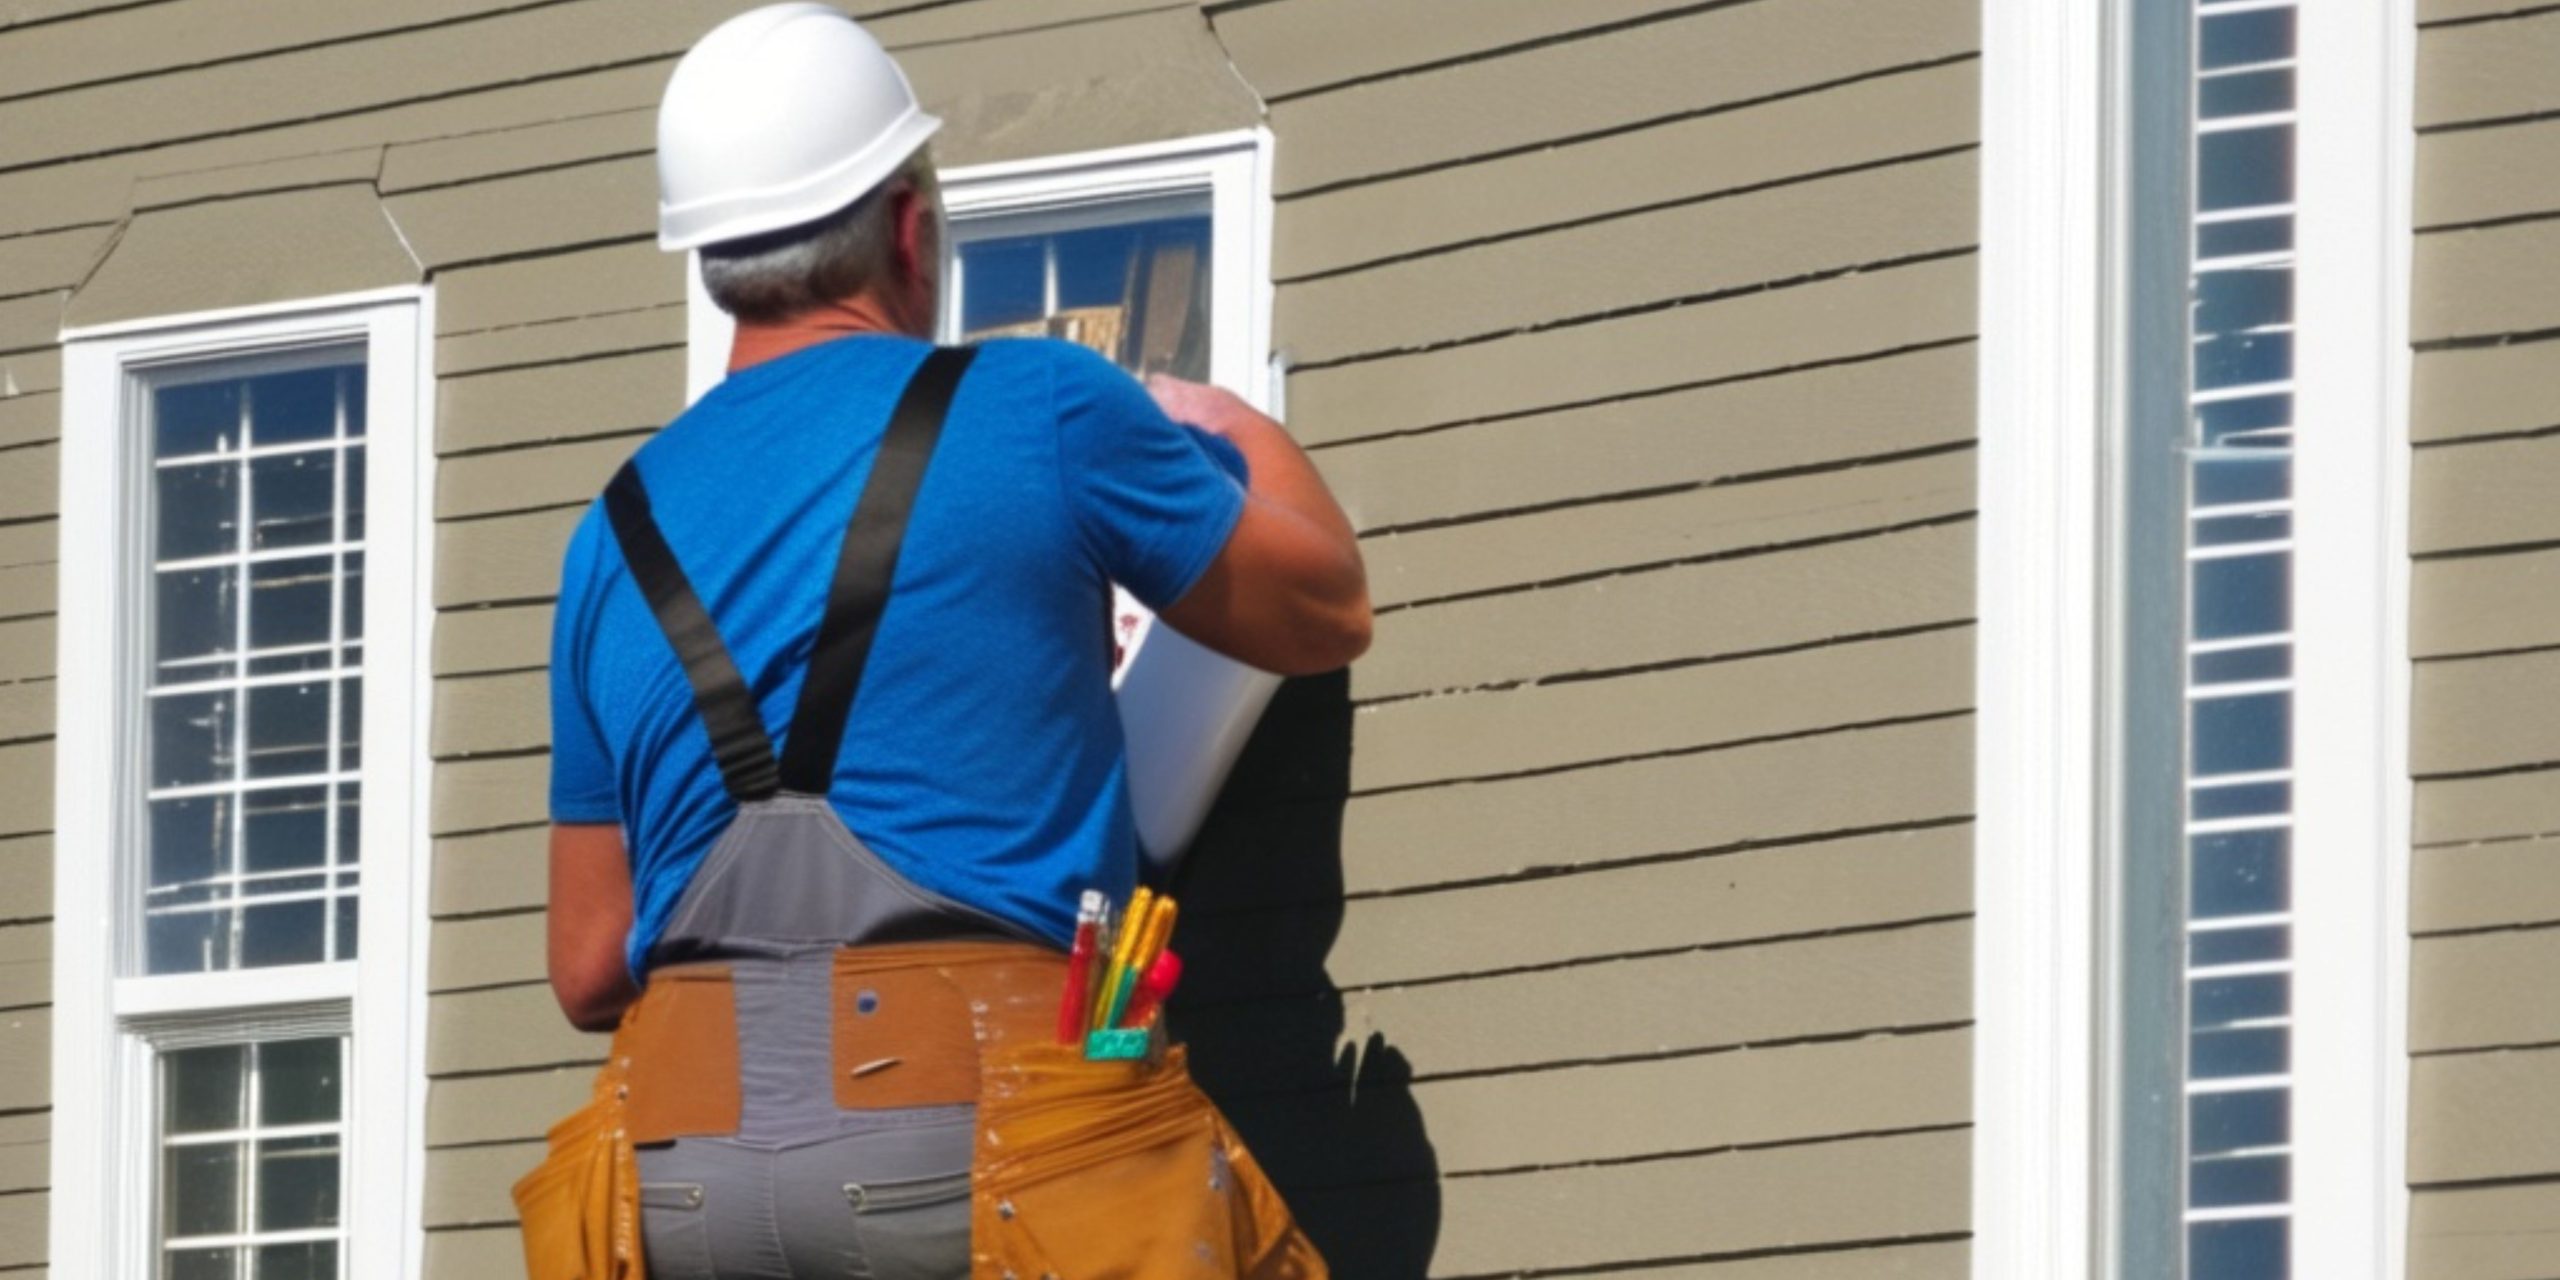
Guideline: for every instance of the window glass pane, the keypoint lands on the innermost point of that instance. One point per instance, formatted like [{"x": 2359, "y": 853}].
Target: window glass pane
[
  {"x": 2267, "y": 234},
  {"x": 313, "y": 1260},
  {"x": 293, "y": 499},
  {"x": 191, "y": 738},
  {"x": 2248, "y": 1118},
  {"x": 288, "y": 729},
  {"x": 2252, "y": 734},
  {"x": 201, "y": 1189},
  {"x": 288, "y": 408},
  {"x": 196, "y": 418},
  {"x": 197, "y": 509},
  {"x": 289, "y": 603},
  {"x": 2238, "y": 1249},
  {"x": 206, "y": 1089},
  {"x": 2244, "y": 168},
  {"x": 284, "y": 829},
  {"x": 298, "y": 1081},
  {"x": 1006, "y": 284},
  {"x": 273, "y": 933},
  {"x": 2246, "y": 595},
  {"x": 2239, "y": 873},
  {"x": 2227, "y": 40},
  {"x": 2245, "y": 93},
  {"x": 298, "y": 1183},
  {"x": 2223, "y": 1181},
  {"x": 196, "y": 613}
]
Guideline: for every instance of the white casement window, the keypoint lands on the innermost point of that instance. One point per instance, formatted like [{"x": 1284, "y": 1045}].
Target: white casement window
[
  {"x": 1156, "y": 255},
  {"x": 240, "y": 793},
  {"x": 2194, "y": 792}
]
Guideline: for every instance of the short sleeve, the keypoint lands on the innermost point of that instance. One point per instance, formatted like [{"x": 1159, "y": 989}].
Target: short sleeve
[
  {"x": 1151, "y": 503},
  {"x": 582, "y": 787}
]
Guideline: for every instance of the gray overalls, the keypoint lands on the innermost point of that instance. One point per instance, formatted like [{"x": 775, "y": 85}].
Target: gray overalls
[{"x": 805, "y": 1188}]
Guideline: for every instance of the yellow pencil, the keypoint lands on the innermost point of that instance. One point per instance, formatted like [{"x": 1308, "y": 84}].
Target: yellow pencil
[{"x": 1133, "y": 924}]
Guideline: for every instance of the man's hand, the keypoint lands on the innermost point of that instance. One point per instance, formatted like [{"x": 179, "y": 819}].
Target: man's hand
[{"x": 1288, "y": 593}]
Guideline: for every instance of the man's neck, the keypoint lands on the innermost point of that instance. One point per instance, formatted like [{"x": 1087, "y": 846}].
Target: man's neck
[{"x": 759, "y": 341}]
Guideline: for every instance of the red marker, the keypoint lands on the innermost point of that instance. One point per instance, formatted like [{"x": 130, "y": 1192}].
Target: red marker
[
  {"x": 1071, "y": 1004},
  {"x": 1152, "y": 989}
]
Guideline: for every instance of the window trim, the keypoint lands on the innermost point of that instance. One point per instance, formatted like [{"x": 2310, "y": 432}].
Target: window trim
[
  {"x": 103, "y": 1023},
  {"x": 2044, "y": 1184},
  {"x": 1233, "y": 169}
]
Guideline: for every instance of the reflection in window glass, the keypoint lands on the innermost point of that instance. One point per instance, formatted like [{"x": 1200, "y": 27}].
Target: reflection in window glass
[
  {"x": 254, "y": 668},
  {"x": 1135, "y": 290}
]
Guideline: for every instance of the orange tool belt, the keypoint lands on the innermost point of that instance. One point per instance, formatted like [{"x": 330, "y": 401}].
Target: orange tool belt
[{"x": 1083, "y": 1170}]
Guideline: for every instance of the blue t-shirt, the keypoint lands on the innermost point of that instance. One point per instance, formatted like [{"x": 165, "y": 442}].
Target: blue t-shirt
[{"x": 983, "y": 758}]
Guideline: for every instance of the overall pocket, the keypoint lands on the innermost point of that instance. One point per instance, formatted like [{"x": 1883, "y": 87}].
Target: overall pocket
[
  {"x": 671, "y": 1222},
  {"x": 1103, "y": 1172}
]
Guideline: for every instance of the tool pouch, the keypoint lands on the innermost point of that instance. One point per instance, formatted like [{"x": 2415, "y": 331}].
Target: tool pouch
[
  {"x": 580, "y": 1207},
  {"x": 1068, "y": 1149}
]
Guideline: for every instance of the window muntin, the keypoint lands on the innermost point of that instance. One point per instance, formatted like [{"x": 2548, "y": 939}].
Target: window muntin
[{"x": 253, "y": 676}]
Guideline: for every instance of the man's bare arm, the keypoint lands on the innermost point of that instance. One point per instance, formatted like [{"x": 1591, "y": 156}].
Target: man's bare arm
[
  {"x": 589, "y": 919},
  {"x": 1288, "y": 593}
]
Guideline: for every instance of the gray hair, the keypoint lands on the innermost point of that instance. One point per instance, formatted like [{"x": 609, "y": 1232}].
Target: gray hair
[{"x": 779, "y": 274}]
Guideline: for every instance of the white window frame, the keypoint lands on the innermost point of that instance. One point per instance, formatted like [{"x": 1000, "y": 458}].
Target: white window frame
[
  {"x": 1232, "y": 169},
  {"x": 108, "y": 1027},
  {"x": 2052, "y": 203}
]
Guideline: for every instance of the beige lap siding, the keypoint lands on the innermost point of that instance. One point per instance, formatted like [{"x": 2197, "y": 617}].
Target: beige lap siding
[
  {"x": 2484, "y": 1142},
  {"x": 1655, "y": 826}
]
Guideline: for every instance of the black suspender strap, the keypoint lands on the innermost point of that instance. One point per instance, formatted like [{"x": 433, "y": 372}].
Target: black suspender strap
[
  {"x": 865, "y": 567},
  {"x": 720, "y": 694}
]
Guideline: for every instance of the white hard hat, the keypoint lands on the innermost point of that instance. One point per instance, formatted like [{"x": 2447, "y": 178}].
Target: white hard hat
[{"x": 782, "y": 115}]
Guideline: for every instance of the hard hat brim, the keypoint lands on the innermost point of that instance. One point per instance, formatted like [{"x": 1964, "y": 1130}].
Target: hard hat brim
[{"x": 737, "y": 215}]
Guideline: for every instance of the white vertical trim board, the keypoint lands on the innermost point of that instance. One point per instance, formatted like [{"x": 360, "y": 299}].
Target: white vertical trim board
[
  {"x": 105, "y": 1023},
  {"x": 2037, "y": 657},
  {"x": 2352, "y": 793}
]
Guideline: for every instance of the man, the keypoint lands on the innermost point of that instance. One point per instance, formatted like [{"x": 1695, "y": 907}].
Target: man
[{"x": 975, "y": 784}]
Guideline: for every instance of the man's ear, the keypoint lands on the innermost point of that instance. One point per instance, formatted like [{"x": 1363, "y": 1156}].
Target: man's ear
[{"x": 918, "y": 238}]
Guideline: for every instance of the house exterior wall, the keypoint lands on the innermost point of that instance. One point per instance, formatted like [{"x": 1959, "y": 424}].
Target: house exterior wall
[
  {"x": 1612, "y": 915},
  {"x": 2484, "y": 1146}
]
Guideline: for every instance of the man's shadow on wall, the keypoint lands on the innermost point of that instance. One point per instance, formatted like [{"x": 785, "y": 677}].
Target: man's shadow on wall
[{"x": 1333, "y": 1123}]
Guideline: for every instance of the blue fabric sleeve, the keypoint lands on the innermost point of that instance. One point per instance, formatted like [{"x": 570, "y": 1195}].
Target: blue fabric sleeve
[
  {"x": 582, "y": 785},
  {"x": 1152, "y": 505},
  {"x": 1224, "y": 452}
]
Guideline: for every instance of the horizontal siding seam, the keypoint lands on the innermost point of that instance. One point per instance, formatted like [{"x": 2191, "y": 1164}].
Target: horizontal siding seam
[
  {"x": 1695, "y": 1153},
  {"x": 2485, "y": 552},
  {"x": 1633, "y": 126},
  {"x": 2479, "y": 930},
  {"x": 1591, "y": 865},
  {"x": 2488, "y": 122},
  {"x": 1118, "y": 15},
  {"x": 2487, "y": 224},
  {"x": 1708, "y": 298},
  {"x": 466, "y": 91},
  {"x": 1667, "y": 753},
  {"x": 1667, "y": 664},
  {"x": 1654, "y": 566},
  {"x": 1672, "y": 490},
  {"x": 1645, "y": 393},
  {"x": 1823, "y": 1249},
  {"x": 1618, "y": 957},
  {"x": 1631, "y": 211},
  {"x": 1663, "y": 1055},
  {"x": 255, "y": 55},
  {"x": 2487, "y": 437},
  {"x": 2492, "y": 771},
  {"x": 1497, "y": 52},
  {"x": 2476, "y": 19}
]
